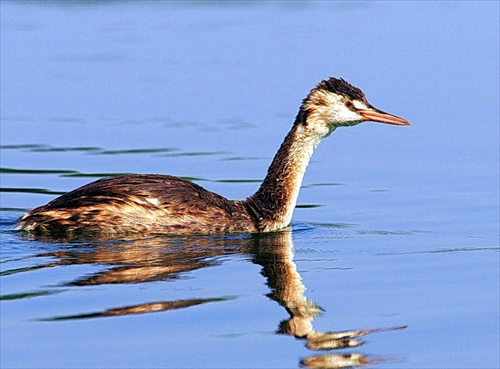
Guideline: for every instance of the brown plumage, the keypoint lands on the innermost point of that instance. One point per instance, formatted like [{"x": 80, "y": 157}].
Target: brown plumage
[
  {"x": 170, "y": 205},
  {"x": 141, "y": 203}
]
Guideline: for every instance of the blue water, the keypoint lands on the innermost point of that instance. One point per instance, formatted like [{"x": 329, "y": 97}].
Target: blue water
[{"x": 396, "y": 232}]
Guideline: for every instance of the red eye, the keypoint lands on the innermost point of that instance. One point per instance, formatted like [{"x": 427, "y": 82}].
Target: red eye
[{"x": 349, "y": 105}]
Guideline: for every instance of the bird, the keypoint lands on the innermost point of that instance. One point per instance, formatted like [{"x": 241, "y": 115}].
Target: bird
[{"x": 165, "y": 204}]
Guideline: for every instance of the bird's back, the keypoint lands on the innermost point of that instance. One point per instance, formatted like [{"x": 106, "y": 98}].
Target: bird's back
[{"x": 140, "y": 203}]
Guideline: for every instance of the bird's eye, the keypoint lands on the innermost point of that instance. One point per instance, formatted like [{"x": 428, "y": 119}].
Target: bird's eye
[{"x": 349, "y": 105}]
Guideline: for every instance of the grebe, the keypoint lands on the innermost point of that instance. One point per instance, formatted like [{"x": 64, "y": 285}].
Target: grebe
[{"x": 165, "y": 204}]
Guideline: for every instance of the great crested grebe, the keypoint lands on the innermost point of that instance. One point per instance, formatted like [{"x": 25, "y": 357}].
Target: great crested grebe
[{"x": 165, "y": 204}]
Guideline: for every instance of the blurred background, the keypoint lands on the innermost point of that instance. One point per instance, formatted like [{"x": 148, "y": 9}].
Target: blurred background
[{"x": 207, "y": 90}]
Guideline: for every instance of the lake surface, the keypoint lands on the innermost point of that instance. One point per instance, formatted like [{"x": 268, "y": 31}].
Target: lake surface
[{"x": 392, "y": 259}]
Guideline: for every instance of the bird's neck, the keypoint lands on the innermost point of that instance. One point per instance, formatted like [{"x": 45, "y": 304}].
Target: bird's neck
[{"x": 273, "y": 203}]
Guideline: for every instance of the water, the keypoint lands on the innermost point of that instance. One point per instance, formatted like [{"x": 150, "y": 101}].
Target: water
[{"x": 395, "y": 238}]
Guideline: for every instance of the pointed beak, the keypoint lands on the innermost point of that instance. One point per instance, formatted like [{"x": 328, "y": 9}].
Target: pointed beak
[{"x": 375, "y": 115}]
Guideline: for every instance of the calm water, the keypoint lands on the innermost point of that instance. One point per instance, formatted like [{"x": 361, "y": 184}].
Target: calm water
[{"x": 394, "y": 248}]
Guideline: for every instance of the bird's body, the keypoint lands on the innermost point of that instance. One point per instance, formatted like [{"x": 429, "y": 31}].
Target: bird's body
[
  {"x": 142, "y": 203},
  {"x": 170, "y": 205}
]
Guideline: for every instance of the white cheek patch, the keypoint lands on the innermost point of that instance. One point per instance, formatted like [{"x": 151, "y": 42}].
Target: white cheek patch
[
  {"x": 359, "y": 105},
  {"x": 345, "y": 115}
]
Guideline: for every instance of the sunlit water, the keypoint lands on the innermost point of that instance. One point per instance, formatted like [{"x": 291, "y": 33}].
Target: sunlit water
[{"x": 393, "y": 251}]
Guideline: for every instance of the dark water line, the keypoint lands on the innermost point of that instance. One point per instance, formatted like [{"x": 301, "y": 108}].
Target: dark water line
[
  {"x": 60, "y": 172},
  {"x": 43, "y": 191},
  {"x": 25, "y": 295}
]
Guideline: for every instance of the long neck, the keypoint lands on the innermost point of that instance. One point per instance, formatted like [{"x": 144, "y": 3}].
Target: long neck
[{"x": 273, "y": 203}]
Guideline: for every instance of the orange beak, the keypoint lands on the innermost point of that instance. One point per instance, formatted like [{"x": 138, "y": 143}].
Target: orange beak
[{"x": 375, "y": 115}]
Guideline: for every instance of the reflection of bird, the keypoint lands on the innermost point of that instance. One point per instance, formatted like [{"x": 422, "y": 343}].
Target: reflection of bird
[{"x": 170, "y": 205}]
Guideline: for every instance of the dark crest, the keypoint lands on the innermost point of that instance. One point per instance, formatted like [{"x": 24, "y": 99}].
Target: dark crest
[{"x": 341, "y": 87}]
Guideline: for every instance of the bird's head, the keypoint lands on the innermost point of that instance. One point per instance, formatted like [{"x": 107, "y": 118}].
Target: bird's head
[{"x": 335, "y": 103}]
